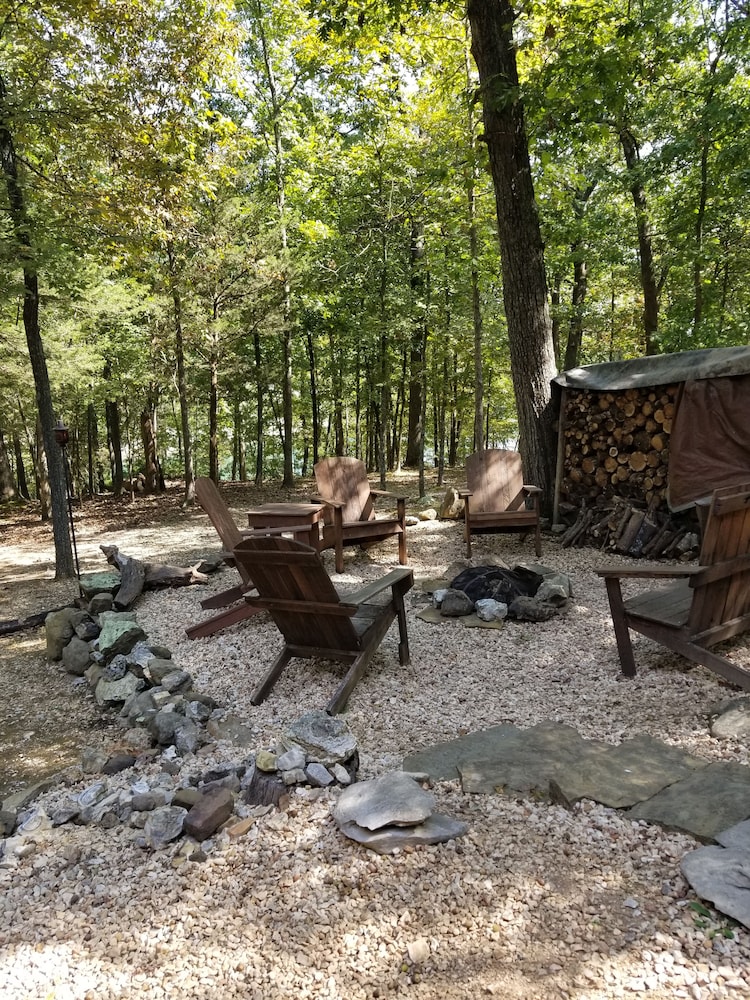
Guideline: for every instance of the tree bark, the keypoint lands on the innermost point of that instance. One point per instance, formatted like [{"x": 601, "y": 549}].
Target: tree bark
[
  {"x": 182, "y": 388},
  {"x": 22, "y": 228},
  {"x": 532, "y": 354},
  {"x": 415, "y": 430},
  {"x": 645, "y": 244},
  {"x": 7, "y": 484}
]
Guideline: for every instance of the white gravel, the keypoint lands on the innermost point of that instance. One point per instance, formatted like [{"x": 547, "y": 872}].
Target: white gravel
[{"x": 534, "y": 902}]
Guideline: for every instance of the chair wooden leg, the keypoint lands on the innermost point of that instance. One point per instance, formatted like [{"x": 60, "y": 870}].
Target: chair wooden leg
[
  {"x": 538, "y": 541},
  {"x": 221, "y": 621},
  {"x": 622, "y": 632},
  {"x": 262, "y": 690},
  {"x": 402, "y": 554},
  {"x": 403, "y": 645},
  {"x": 226, "y": 597},
  {"x": 339, "y": 539}
]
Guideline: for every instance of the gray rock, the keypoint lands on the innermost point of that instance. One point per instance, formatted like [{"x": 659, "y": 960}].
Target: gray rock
[
  {"x": 324, "y": 738},
  {"x": 438, "y": 595},
  {"x": 158, "y": 667},
  {"x": 93, "y": 760},
  {"x": 96, "y": 584},
  {"x": 100, "y": 602},
  {"x": 197, "y": 711},
  {"x": 391, "y": 800},
  {"x": 266, "y": 761},
  {"x": 722, "y": 876},
  {"x": 341, "y": 774},
  {"x": 733, "y": 722},
  {"x": 177, "y": 681},
  {"x": 88, "y": 630},
  {"x": 436, "y": 829},
  {"x": 737, "y": 837},
  {"x": 320, "y": 776},
  {"x": 295, "y": 776},
  {"x": 291, "y": 759},
  {"x": 164, "y": 725},
  {"x": 59, "y": 628},
  {"x": 529, "y": 609},
  {"x": 119, "y": 634},
  {"x": 211, "y": 810},
  {"x": 164, "y": 825},
  {"x": 116, "y": 669},
  {"x": 76, "y": 656},
  {"x": 489, "y": 610},
  {"x": 143, "y": 802},
  {"x": 187, "y": 737},
  {"x": 428, "y": 514},
  {"x": 113, "y": 693},
  {"x": 455, "y": 604}
]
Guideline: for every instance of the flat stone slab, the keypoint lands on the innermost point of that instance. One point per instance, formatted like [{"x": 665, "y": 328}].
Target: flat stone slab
[
  {"x": 434, "y": 617},
  {"x": 436, "y": 829},
  {"x": 617, "y": 776},
  {"x": 709, "y": 801},
  {"x": 440, "y": 762},
  {"x": 722, "y": 876}
]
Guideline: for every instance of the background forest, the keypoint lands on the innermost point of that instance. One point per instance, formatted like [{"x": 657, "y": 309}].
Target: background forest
[{"x": 239, "y": 236}]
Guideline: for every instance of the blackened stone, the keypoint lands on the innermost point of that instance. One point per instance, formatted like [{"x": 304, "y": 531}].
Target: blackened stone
[{"x": 118, "y": 762}]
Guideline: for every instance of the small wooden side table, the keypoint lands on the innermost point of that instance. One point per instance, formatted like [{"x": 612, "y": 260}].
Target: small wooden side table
[{"x": 299, "y": 519}]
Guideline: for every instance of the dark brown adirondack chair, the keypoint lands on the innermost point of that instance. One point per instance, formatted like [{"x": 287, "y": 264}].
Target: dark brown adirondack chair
[
  {"x": 497, "y": 499},
  {"x": 350, "y": 516},
  {"x": 236, "y": 610},
  {"x": 295, "y": 588},
  {"x": 705, "y": 604}
]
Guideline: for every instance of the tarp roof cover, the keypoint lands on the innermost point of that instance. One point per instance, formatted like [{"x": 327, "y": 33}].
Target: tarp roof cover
[
  {"x": 710, "y": 442},
  {"x": 658, "y": 369}
]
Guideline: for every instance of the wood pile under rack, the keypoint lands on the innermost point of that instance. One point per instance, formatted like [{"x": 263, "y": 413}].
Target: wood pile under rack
[{"x": 635, "y": 531}]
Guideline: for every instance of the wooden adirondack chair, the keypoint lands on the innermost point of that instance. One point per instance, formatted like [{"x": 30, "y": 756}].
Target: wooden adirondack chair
[
  {"x": 208, "y": 496},
  {"x": 496, "y": 498},
  {"x": 706, "y": 604},
  {"x": 315, "y": 622},
  {"x": 350, "y": 516}
]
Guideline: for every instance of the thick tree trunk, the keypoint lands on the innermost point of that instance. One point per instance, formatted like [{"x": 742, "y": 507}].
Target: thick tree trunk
[
  {"x": 22, "y": 227},
  {"x": 148, "y": 441},
  {"x": 213, "y": 404},
  {"x": 313, "y": 398},
  {"x": 532, "y": 354}
]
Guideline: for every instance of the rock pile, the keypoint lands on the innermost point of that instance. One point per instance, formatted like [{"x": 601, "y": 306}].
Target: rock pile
[{"x": 166, "y": 726}]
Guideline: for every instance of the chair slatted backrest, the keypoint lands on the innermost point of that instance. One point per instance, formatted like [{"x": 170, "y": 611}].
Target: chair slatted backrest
[
  {"x": 495, "y": 479},
  {"x": 293, "y": 584},
  {"x": 208, "y": 496},
  {"x": 345, "y": 480},
  {"x": 726, "y": 537}
]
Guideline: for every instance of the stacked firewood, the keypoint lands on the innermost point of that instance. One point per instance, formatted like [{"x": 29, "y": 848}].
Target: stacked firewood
[
  {"x": 622, "y": 527},
  {"x": 616, "y": 444}
]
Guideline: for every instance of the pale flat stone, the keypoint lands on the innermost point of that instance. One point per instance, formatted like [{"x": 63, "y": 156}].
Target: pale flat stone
[
  {"x": 722, "y": 876},
  {"x": 435, "y": 830},
  {"x": 391, "y": 800}
]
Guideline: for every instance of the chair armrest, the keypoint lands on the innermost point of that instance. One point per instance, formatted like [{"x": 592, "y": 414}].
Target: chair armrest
[
  {"x": 331, "y": 503},
  {"x": 533, "y": 490},
  {"x": 372, "y": 589},
  {"x": 647, "y": 572},
  {"x": 463, "y": 494}
]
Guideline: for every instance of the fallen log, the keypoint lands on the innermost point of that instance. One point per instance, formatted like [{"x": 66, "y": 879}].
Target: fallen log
[{"x": 138, "y": 576}]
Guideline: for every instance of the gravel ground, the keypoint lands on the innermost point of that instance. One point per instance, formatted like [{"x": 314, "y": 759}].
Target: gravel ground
[{"x": 535, "y": 902}]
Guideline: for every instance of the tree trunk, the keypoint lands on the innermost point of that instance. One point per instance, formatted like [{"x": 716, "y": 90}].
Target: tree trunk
[
  {"x": 415, "y": 430},
  {"x": 182, "y": 388},
  {"x": 645, "y": 245},
  {"x": 7, "y": 483},
  {"x": 22, "y": 228},
  {"x": 148, "y": 441},
  {"x": 259, "y": 390},
  {"x": 22, "y": 484},
  {"x": 532, "y": 354},
  {"x": 213, "y": 402},
  {"x": 313, "y": 398}
]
